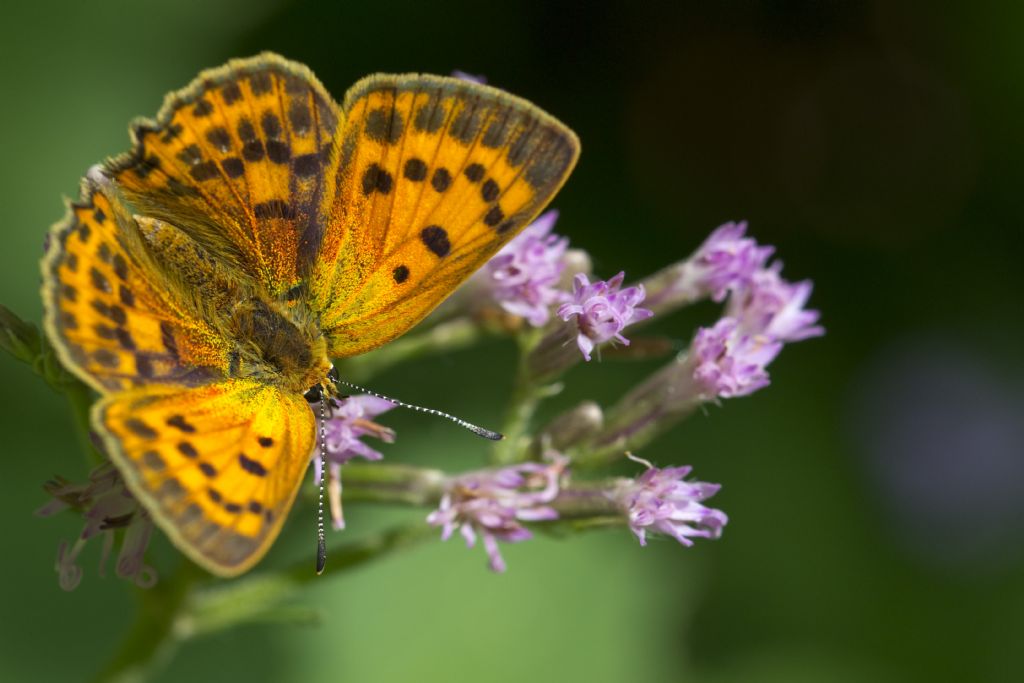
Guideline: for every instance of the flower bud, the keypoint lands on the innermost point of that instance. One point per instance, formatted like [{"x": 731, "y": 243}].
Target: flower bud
[{"x": 571, "y": 427}]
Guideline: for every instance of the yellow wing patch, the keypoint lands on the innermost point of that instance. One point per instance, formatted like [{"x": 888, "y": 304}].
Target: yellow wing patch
[
  {"x": 436, "y": 175},
  {"x": 243, "y": 161},
  {"x": 107, "y": 314},
  {"x": 217, "y": 466}
]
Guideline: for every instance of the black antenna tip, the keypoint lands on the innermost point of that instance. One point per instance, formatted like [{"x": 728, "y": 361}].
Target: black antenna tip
[
  {"x": 321, "y": 556},
  {"x": 486, "y": 433}
]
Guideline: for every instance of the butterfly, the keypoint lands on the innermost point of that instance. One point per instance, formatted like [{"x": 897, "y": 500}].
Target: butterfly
[{"x": 257, "y": 229}]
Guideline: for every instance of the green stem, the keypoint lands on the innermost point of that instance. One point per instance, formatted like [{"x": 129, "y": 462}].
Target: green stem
[
  {"x": 183, "y": 606},
  {"x": 260, "y": 596},
  {"x": 527, "y": 394},
  {"x": 152, "y": 638},
  {"x": 81, "y": 399},
  {"x": 388, "y": 483}
]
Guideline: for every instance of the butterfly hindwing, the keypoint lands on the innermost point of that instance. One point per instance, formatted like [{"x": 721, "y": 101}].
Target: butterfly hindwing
[
  {"x": 436, "y": 174},
  {"x": 217, "y": 466},
  {"x": 243, "y": 161},
  {"x": 113, "y": 318}
]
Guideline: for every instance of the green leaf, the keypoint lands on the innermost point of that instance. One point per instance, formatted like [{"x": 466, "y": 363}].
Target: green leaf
[{"x": 19, "y": 338}]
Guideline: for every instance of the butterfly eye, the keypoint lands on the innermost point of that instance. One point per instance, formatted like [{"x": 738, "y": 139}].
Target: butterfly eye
[
  {"x": 315, "y": 394},
  {"x": 332, "y": 375}
]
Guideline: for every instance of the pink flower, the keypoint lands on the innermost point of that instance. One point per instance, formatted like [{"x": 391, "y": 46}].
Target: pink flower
[
  {"x": 602, "y": 311},
  {"x": 523, "y": 277},
  {"x": 730, "y": 359},
  {"x": 107, "y": 506},
  {"x": 493, "y": 503},
  {"x": 472, "y": 78},
  {"x": 769, "y": 305},
  {"x": 348, "y": 423},
  {"x": 659, "y": 500},
  {"x": 351, "y": 421},
  {"x": 726, "y": 261},
  {"x": 730, "y": 363}
]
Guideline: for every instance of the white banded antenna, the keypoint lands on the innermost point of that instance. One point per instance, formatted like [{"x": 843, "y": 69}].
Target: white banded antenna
[{"x": 479, "y": 431}]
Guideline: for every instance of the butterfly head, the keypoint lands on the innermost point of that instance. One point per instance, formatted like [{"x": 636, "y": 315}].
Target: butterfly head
[{"x": 328, "y": 388}]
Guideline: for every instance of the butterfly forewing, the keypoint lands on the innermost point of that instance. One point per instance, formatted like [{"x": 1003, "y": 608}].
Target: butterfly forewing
[
  {"x": 436, "y": 175},
  {"x": 218, "y": 466},
  {"x": 242, "y": 160}
]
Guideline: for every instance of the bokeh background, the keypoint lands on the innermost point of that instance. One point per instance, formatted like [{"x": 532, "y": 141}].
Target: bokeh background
[{"x": 876, "y": 489}]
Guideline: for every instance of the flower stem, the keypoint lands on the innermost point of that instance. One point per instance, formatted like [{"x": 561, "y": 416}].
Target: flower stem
[
  {"x": 185, "y": 605},
  {"x": 527, "y": 394},
  {"x": 81, "y": 400},
  {"x": 261, "y": 596},
  {"x": 390, "y": 483},
  {"x": 152, "y": 639}
]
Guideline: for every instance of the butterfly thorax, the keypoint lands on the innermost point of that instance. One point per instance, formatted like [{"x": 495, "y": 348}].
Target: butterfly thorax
[{"x": 277, "y": 343}]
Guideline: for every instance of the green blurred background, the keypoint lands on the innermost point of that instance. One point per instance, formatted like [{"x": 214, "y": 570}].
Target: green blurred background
[{"x": 876, "y": 489}]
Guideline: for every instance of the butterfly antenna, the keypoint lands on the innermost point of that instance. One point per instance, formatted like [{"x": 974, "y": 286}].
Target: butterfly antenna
[
  {"x": 321, "y": 541},
  {"x": 479, "y": 431}
]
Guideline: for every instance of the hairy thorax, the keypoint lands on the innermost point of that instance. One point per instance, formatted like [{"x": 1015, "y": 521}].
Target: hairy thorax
[{"x": 279, "y": 343}]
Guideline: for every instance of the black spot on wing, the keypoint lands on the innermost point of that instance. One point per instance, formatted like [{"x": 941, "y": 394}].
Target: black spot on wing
[
  {"x": 299, "y": 116},
  {"x": 140, "y": 428},
  {"x": 306, "y": 165},
  {"x": 271, "y": 125},
  {"x": 99, "y": 280},
  {"x": 124, "y": 338},
  {"x": 231, "y": 93},
  {"x": 490, "y": 190},
  {"x": 253, "y": 467},
  {"x": 219, "y": 137},
  {"x": 144, "y": 366},
  {"x": 466, "y": 124},
  {"x": 233, "y": 167},
  {"x": 179, "y": 422},
  {"x": 120, "y": 266},
  {"x": 376, "y": 179},
  {"x": 415, "y": 169},
  {"x": 430, "y": 117},
  {"x": 435, "y": 238},
  {"x": 384, "y": 125},
  {"x": 260, "y": 83},
  {"x": 278, "y": 151},
  {"x": 204, "y": 170},
  {"x": 494, "y": 216},
  {"x": 202, "y": 108},
  {"x": 441, "y": 180}
]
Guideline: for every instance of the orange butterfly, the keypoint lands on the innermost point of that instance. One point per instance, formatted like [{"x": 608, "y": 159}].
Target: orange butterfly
[{"x": 257, "y": 229}]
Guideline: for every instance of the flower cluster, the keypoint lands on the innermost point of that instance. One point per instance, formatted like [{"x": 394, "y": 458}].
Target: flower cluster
[
  {"x": 530, "y": 279},
  {"x": 602, "y": 310},
  {"x": 494, "y": 503},
  {"x": 763, "y": 312},
  {"x": 107, "y": 507},
  {"x": 659, "y": 500},
  {"x": 524, "y": 276}
]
